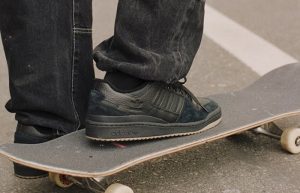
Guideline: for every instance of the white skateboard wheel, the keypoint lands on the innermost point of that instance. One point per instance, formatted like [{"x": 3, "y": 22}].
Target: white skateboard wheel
[
  {"x": 290, "y": 140},
  {"x": 118, "y": 188},
  {"x": 60, "y": 180}
]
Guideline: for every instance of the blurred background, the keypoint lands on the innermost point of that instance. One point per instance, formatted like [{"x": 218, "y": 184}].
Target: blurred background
[{"x": 243, "y": 40}]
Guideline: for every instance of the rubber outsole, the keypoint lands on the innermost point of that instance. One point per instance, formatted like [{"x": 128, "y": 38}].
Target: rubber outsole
[{"x": 159, "y": 137}]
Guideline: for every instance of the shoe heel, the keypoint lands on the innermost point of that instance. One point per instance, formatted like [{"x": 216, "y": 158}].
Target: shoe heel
[{"x": 28, "y": 173}]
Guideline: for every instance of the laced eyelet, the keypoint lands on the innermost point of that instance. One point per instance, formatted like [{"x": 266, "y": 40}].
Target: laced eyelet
[
  {"x": 184, "y": 80},
  {"x": 179, "y": 87}
]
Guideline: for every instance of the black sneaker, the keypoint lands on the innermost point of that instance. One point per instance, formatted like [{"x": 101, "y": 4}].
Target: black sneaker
[
  {"x": 155, "y": 110},
  {"x": 32, "y": 135}
]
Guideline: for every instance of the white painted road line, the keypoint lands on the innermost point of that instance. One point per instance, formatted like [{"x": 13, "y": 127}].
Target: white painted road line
[{"x": 257, "y": 53}]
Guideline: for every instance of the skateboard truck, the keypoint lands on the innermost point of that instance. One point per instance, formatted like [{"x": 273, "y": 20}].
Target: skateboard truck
[
  {"x": 289, "y": 138},
  {"x": 269, "y": 129},
  {"x": 95, "y": 185}
]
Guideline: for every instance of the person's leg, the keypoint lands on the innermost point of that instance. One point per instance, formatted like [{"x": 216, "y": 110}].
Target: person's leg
[
  {"x": 48, "y": 48},
  {"x": 153, "y": 40},
  {"x": 154, "y": 45}
]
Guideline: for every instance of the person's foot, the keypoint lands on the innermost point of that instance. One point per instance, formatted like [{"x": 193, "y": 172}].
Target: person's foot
[
  {"x": 153, "y": 110},
  {"x": 32, "y": 135}
]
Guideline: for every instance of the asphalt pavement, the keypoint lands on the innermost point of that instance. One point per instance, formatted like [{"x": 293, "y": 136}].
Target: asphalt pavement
[{"x": 243, "y": 163}]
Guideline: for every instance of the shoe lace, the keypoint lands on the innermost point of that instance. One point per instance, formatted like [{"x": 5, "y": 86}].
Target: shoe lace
[{"x": 179, "y": 88}]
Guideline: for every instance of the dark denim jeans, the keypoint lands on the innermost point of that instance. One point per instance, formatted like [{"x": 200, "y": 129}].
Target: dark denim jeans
[{"x": 48, "y": 47}]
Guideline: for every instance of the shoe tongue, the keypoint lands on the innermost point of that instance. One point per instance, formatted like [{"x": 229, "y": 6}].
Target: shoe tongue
[{"x": 122, "y": 82}]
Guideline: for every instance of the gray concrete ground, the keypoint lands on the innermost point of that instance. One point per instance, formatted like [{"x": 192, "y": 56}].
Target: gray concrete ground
[{"x": 243, "y": 163}]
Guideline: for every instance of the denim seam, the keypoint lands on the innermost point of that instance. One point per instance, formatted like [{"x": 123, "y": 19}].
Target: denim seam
[
  {"x": 82, "y": 30},
  {"x": 183, "y": 32},
  {"x": 79, "y": 32},
  {"x": 73, "y": 68},
  {"x": 178, "y": 37},
  {"x": 86, "y": 29}
]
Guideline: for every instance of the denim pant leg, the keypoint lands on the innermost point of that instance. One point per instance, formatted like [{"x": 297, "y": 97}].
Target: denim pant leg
[
  {"x": 153, "y": 39},
  {"x": 48, "y": 47}
]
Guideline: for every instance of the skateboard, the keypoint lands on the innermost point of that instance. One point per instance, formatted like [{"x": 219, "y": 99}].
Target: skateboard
[{"x": 74, "y": 159}]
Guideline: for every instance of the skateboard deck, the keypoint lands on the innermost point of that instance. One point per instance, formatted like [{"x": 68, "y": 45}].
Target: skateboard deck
[{"x": 272, "y": 97}]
